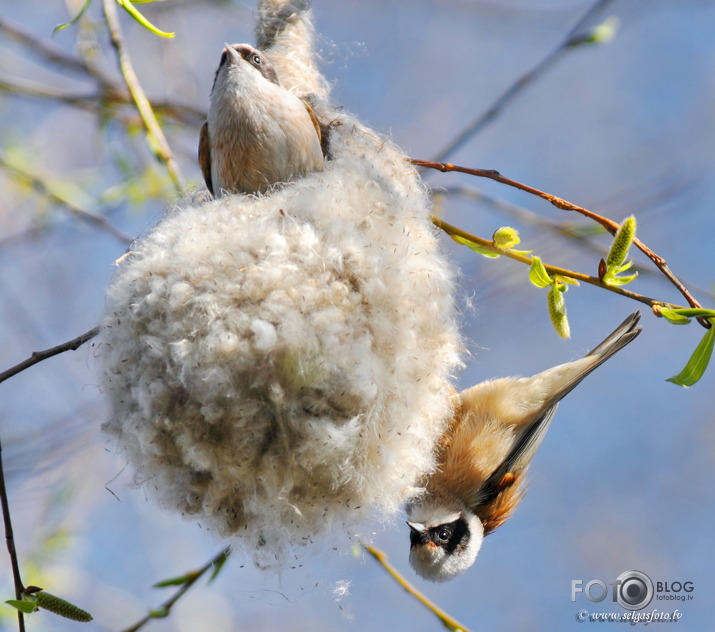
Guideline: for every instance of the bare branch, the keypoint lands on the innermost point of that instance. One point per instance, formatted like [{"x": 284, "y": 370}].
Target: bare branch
[
  {"x": 39, "y": 356},
  {"x": 518, "y": 86},
  {"x": 10, "y": 542},
  {"x": 49, "y": 51},
  {"x": 89, "y": 101},
  {"x": 44, "y": 188}
]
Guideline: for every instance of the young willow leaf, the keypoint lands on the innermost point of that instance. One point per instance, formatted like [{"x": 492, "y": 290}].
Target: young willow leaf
[
  {"x": 538, "y": 274},
  {"x": 601, "y": 34},
  {"x": 174, "y": 581},
  {"x": 476, "y": 247},
  {"x": 691, "y": 312},
  {"x": 74, "y": 20},
  {"x": 139, "y": 17},
  {"x": 614, "y": 280},
  {"x": 218, "y": 566},
  {"x": 26, "y": 607},
  {"x": 698, "y": 362},
  {"x": 673, "y": 316}
]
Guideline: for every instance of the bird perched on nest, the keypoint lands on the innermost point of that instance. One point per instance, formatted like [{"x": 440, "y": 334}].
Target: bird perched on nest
[
  {"x": 257, "y": 133},
  {"x": 483, "y": 456}
]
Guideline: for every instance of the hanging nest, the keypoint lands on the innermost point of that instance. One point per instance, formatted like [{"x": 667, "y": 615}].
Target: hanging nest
[{"x": 278, "y": 365}]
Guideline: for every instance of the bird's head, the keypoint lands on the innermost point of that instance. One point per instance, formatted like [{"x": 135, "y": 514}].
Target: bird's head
[
  {"x": 241, "y": 63},
  {"x": 444, "y": 540}
]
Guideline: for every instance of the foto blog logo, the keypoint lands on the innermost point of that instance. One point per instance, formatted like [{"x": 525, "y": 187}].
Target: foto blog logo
[{"x": 632, "y": 590}]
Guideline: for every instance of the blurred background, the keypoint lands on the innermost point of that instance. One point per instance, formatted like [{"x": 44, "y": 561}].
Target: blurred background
[{"x": 621, "y": 481}]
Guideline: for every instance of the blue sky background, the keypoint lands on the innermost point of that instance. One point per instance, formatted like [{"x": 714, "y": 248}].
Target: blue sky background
[{"x": 623, "y": 479}]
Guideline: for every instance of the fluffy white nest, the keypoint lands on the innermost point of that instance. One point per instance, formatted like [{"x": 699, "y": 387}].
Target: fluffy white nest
[{"x": 278, "y": 365}]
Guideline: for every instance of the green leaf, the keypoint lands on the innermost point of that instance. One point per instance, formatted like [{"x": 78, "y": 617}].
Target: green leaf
[
  {"x": 132, "y": 10},
  {"x": 613, "y": 280},
  {"x": 26, "y": 607},
  {"x": 482, "y": 250},
  {"x": 538, "y": 274},
  {"x": 692, "y": 312},
  {"x": 218, "y": 566},
  {"x": 672, "y": 316},
  {"x": 160, "y": 613},
  {"x": 565, "y": 280},
  {"x": 601, "y": 34},
  {"x": 698, "y": 362},
  {"x": 74, "y": 20},
  {"x": 174, "y": 581}
]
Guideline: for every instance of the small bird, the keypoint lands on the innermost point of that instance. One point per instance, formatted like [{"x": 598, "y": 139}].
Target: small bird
[
  {"x": 257, "y": 133},
  {"x": 483, "y": 457}
]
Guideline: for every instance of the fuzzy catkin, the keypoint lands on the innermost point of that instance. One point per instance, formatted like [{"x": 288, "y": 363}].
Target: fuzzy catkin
[{"x": 279, "y": 365}]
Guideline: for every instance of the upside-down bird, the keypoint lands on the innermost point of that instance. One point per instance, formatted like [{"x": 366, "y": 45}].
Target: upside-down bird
[{"x": 483, "y": 457}]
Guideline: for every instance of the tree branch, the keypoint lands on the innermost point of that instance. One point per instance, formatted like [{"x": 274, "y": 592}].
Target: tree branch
[
  {"x": 578, "y": 276},
  {"x": 518, "y": 86},
  {"x": 89, "y": 101},
  {"x": 156, "y": 135},
  {"x": 39, "y": 356},
  {"x": 189, "y": 580},
  {"x": 46, "y": 189},
  {"x": 447, "y": 620},
  {"x": 560, "y": 203},
  {"x": 10, "y": 542}
]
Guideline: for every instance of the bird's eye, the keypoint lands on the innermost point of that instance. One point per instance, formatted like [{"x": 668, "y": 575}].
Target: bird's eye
[
  {"x": 444, "y": 534},
  {"x": 257, "y": 60}
]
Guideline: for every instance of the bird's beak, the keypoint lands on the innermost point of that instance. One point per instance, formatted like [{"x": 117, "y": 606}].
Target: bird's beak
[
  {"x": 418, "y": 534},
  {"x": 233, "y": 56}
]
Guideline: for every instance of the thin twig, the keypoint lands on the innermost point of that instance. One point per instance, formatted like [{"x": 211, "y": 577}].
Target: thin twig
[
  {"x": 44, "y": 188},
  {"x": 192, "y": 577},
  {"x": 39, "y": 356},
  {"x": 109, "y": 90},
  {"x": 48, "y": 50},
  {"x": 162, "y": 149},
  {"x": 447, "y": 620},
  {"x": 578, "y": 276},
  {"x": 180, "y": 112},
  {"x": 516, "y": 88},
  {"x": 560, "y": 203},
  {"x": 10, "y": 542},
  {"x": 527, "y": 216}
]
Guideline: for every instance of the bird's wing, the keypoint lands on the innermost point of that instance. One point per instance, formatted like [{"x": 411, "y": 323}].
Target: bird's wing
[
  {"x": 205, "y": 155},
  {"x": 518, "y": 458},
  {"x": 498, "y": 496},
  {"x": 313, "y": 118}
]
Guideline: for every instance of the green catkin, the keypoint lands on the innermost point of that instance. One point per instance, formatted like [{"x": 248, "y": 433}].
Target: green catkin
[
  {"x": 557, "y": 311},
  {"x": 52, "y": 603},
  {"x": 621, "y": 243}
]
